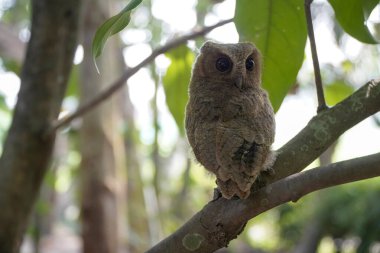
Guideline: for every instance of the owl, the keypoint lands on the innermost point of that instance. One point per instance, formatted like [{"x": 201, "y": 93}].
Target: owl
[{"x": 229, "y": 119}]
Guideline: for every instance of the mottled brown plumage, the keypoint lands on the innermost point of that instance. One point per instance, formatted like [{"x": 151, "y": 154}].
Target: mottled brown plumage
[{"x": 229, "y": 119}]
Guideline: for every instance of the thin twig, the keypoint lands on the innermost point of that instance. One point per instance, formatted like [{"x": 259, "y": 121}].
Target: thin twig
[
  {"x": 131, "y": 71},
  {"x": 317, "y": 72}
]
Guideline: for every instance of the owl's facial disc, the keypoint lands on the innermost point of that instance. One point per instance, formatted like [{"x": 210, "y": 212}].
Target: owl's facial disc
[{"x": 239, "y": 82}]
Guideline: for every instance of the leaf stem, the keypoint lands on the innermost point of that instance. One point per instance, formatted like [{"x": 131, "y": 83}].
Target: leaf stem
[{"x": 317, "y": 73}]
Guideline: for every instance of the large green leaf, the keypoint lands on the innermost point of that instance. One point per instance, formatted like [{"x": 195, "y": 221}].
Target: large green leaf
[
  {"x": 278, "y": 28},
  {"x": 352, "y": 16},
  {"x": 113, "y": 25},
  {"x": 176, "y": 83}
]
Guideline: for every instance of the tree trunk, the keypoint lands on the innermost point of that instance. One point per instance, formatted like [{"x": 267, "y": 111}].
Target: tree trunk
[
  {"x": 101, "y": 143},
  {"x": 138, "y": 225},
  {"x": 28, "y": 146}
]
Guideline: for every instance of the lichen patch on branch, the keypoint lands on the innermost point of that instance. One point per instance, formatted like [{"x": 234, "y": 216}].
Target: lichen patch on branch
[
  {"x": 321, "y": 131},
  {"x": 192, "y": 241},
  {"x": 371, "y": 91}
]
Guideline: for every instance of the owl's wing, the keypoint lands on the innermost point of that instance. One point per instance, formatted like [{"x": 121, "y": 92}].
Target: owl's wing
[
  {"x": 201, "y": 118},
  {"x": 241, "y": 152}
]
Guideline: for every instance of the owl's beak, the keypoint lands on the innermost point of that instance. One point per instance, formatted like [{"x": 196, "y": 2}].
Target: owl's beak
[{"x": 239, "y": 82}]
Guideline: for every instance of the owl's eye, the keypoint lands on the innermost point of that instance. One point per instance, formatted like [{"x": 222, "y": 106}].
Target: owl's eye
[
  {"x": 250, "y": 64},
  {"x": 223, "y": 64}
]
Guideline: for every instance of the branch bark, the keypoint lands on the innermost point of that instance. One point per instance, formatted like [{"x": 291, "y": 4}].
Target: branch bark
[
  {"x": 27, "y": 148},
  {"x": 115, "y": 86},
  {"x": 101, "y": 144},
  {"x": 222, "y": 220},
  {"x": 325, "y": 128}
]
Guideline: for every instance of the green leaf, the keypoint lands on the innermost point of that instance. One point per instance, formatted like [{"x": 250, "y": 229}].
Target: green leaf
[
  {"x": 11, "y": 65},
  {"x": 278, "y": 28},
  {"x": 352, "y": 15},
  {"x": 176, "y": 83},
  {"x": 113, "y": 25},
  {"x": 73, "y": 83},
  {"x": 3, "y": 104},
  {"x": 337, "y": 91}
]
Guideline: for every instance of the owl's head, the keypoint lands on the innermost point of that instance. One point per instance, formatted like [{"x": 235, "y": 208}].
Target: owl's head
[{"x": 237, "y": 65}]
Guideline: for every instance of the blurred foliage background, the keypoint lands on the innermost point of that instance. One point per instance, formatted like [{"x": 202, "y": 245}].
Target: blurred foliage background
[{"x": 124, "y": 174}]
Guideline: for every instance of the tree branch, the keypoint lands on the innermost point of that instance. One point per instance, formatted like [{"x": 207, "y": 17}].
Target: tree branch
[
  {"x": 211, "y": 227},
  {"x": 131, "y": 71},
  {"x": 325, "y": 128},
  {"x": 222, "y": 220}
]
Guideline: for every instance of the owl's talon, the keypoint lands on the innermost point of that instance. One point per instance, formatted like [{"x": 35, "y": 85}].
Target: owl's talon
[{"x": 236, "y": 197}]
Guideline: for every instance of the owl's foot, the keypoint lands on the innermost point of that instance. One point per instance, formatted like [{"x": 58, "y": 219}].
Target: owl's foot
[
  {"x": 269, "y": 172},
  {"x": 268, "y": 164},
  {"x": 263, "y": 179}
]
